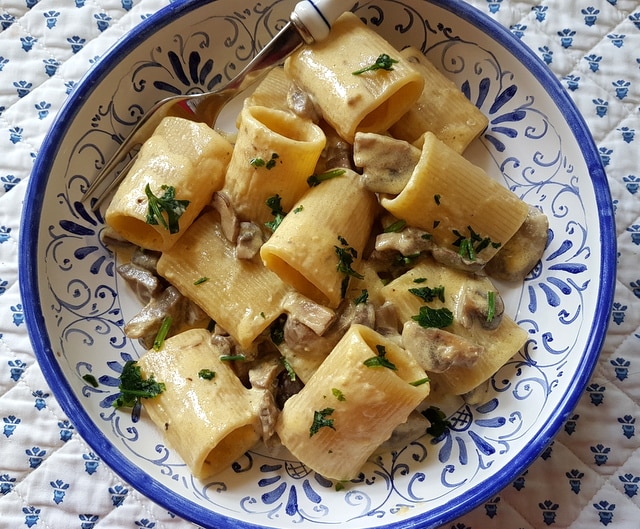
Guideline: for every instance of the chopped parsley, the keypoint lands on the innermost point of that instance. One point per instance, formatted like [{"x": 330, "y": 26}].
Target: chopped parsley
[
  {"x": 434, "y": 318},
  {"x": 289, "y": 369},
  {"x": 316, "y": 179},
  {"x": 91, "y": 380},
  {"x": 276, "y": 330},
  {"x": 206, "y": 374},
  {"x": 420, "y": 382},
  {"x": 338, "y": 394},
  {"x": 380, "y": 360},
  {"x": 168, "y": 204},
  {"x": 439, "y": 422},
  {"x": 158, "y": 342},
  {"x": 133, "y": 387},
  {"x": 268, "y": 164},
  {"x": 278, "y": 213},
  {"x": 395, "y": 227},
  {"x": 320, "y": 421},
  {"x": 428, "y": 294},
  {"x": 491, "y": 301},
  {"x": 201, "y": 280},
  {"x": 469, "y": 247},
  {"x": 362, "y": 298},
  {"x": 383, "y": 62},
  {"x": 233, "y": 358},
  {"x": 346, "y": 254}
]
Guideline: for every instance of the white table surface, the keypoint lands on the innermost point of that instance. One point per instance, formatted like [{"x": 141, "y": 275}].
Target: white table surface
[{"x": 590, "y": 475}]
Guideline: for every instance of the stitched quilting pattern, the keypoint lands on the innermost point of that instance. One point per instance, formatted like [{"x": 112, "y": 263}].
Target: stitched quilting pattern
[{"x": 588, "y": 477}]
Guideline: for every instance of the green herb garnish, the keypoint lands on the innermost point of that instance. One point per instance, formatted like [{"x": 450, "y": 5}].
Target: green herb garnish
[
  {"x": 133, "y": 387},
  {"x": 158, "y": 342},
  {"x": 233, "y": 358},
  {"x": 200, "y": 280},
  {"x": 428, "y": 294},
  {"x": 434, "y": 318},
  {"x": 439, "y": 422},
  {"x": 168, "y": 204},
  {"x": 420, "y": 381},
  {"x": 395, "y": 227},
  {"x": 346, "y": 254},
  {"x": 383, "y": 62},
  {"x": 91, "y": 380},
  {"x": 289, "y": 369},
  {"x": 320, "y": 421},
  {"x": 316, "y": 179},
  {"x": 206, "y": 374},
  {"x": 491, "y": 301},
  {"x": 278, "y": 213},
  {"x": 469, "y": 247},
  {"x": 260, "y": 162},
  {"x": 362, "y": 298},
  {"x": 380, "y": 360},
  {"x": 338, "y": 394}
]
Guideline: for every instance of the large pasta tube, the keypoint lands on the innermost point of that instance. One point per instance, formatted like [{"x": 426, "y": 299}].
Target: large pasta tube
[
  {"x": 241, "y": 295},
  {"x": 368, "y": 102},
  {"x": 189, "y": 157},
  {"x": 208, "y": 416},
  {"x": 459, "y": 290},
  {"x": 274, "y": 154},
  {"x": 351, "y": 404},
  {"x": 305, "y": 251},
  {"x": 455, "y": 200},
  {"x": 441, "y": 108}
]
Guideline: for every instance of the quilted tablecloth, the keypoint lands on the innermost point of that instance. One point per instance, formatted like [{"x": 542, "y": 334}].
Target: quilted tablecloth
[{"x": 588, "y": 477}]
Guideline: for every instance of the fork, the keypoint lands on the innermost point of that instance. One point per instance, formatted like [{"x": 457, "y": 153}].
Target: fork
[{"x": 309, "y": 22}]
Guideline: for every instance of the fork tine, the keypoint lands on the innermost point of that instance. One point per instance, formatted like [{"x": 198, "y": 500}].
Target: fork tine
[{"x": 112, "y": 185}]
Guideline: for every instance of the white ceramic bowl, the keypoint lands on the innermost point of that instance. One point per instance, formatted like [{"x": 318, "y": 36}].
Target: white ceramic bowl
[{"x": 536, "y": 144}]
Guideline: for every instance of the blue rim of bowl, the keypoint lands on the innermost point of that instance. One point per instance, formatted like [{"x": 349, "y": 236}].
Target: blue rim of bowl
[{"x": 28, "y": 266}]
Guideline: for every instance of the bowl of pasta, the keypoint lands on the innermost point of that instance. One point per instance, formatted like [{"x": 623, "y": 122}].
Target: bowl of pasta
[{"x": 370, "y": 295}]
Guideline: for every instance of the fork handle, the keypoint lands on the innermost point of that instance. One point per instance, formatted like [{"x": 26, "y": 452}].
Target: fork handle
[{"x": 313, "y": 18}]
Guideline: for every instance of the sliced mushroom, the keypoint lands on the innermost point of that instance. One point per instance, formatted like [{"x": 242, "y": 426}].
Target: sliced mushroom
[
  {"x": 228, "y": 219},
  {"x": 387, "y": 320},
  {"x": 475, "y": 307},
  {"x": 453, "y": 259},
  {"x": 144, "y": 283},
  {"x": 264, "y": 376},
  {"x": 147, "y": 259},
  {"x": 170, "y": 303},
  {"x": 309, "y": 313},
  {"x": 409, "y": 241},
  {"x": 337, "y": 153},
  {"x": 522, "y": 252},
  {"x": 249, "y": 240},
  {"x": 437, "y": 350},
  {"x": 387, "y": 163},
  {"x": 301, "y": 103}
]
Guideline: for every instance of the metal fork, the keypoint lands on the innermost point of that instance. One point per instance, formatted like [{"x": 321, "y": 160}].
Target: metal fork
[{"x": 309, "y": 22}]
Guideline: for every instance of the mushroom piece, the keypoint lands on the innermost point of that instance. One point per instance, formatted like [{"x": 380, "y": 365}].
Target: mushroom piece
[
  {"x": 302, "y": 104},
  {"x": 337, "y": 153},
  {"x": 249, "y": 240},
  {"x": 144, "y": 283},
  {"x": 170, "y": 303},
  {"x": 147, "y": 259},
  {"x": 453, "y": 259},
  {"x": 264, "y": 376},
  {"x": 408, "y": 241},
  {"x": 301, "y": 309},
  {"x": 437, "y": 350},
  {"x": 387, "y": 163},
  {"x": 519, "y": 255},
  {"x": 476, "y": 306},
  {"x": 228, "y": 219}
]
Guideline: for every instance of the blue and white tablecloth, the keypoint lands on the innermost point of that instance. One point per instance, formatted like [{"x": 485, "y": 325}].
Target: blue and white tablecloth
[{"x": 590, "y": 475}]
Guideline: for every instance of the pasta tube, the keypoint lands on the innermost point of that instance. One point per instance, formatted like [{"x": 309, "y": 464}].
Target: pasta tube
[
  {"x": 205, "y": 412},
  {"x": 441, "y": 108},
  {"x": 241, "y": 295},
  {"x": 352, "y": 403},
  {"x": 305, "y": 250},
  {"x": 458, "y": 203},
  {"x": 498, "y": 344},
  {"x": 274, "y": 154},
  {"x": 189, "y": 157},
  {"x": 367, "y": 102}
]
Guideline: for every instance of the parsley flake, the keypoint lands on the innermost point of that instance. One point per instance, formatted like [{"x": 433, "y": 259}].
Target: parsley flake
[
  {"x": 316, "y": 179},
  {"x": 274, "y": 202},
  {"x": 383, "y": 62},
  {"x": 168, "y": 204},
  {"x": 338, "y": 394},
  {"x": 380, "y": 360},
  {"x": 158, "y": 342},
  {"x": 268, "y": 164},
  {"x": 439, "y": 422},
  {"x": 320, "y": 421},
  {"x": 133, "y": 387},
  {"x": 206, "y": 374},
  {"x": 428, "y": 294},
  {"x": 434, "y": 318},
  {"x": 346, "y": 254}
]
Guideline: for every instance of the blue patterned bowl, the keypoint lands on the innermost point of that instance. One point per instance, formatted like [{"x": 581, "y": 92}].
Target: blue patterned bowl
[{"x": 536, "y": 144}]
